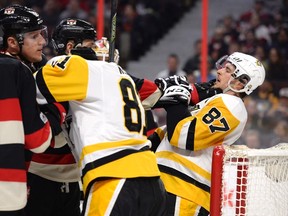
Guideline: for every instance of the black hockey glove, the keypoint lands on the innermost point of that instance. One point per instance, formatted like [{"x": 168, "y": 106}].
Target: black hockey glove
[
  {"x": 201, "y": 91},
  {"x": 175, "y": 89},
  {"x": 55, "y": 113}
]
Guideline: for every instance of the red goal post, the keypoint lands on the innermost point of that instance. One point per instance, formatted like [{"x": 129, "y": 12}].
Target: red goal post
[{"x": 249, "y": 182}]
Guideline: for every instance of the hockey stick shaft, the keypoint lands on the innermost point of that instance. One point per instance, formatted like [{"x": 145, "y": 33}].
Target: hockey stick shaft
[{"x": 114, "y": 4}]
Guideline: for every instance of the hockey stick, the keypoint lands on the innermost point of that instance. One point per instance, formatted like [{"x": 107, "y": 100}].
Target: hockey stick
[{"x": 114, "y": 4}]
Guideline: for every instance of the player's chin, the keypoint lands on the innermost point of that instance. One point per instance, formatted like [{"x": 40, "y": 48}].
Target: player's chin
[{"x": 36, "y": 58}]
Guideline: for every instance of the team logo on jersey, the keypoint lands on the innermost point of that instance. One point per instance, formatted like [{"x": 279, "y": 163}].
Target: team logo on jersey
[
  {"x": 71, "y": 22},
  {"x": 10, "y": 10}
]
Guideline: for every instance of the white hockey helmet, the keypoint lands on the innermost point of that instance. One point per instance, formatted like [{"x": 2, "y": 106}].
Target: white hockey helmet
[
  {"x": 249, "y": 70},
  {"x": 102, "y": 50}
]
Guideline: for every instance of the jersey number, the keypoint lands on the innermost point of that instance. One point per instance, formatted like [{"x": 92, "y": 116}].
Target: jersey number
[
  {"x": 61, "y": 64},
  {"x": 211, "y": 116},
  {"x": 132, "y": 113}
]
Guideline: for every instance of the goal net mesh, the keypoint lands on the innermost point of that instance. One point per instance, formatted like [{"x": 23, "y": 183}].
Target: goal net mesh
[{"x": 254, "y": 182}]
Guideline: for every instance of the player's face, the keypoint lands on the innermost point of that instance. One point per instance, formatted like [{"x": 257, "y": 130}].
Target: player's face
[
  {"x": 88, "y": 43},
  {"x": 224, "y": 75},
  {"x": 33, "y": 45}
]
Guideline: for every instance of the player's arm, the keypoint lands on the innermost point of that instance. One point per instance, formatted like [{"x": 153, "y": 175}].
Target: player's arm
[
  {"x": 148, "y": 91},
  {"x": 59, "y": 80},
  {"x": 198, "y": 91},
  {"x": 156, "y": 137},
  {"x": 37, "y": 128}
]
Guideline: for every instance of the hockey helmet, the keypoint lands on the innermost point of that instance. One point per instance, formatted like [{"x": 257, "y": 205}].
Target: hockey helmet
[
  {"x": 17, "y": 20},
  {"x": 248, "y": 70},
  {"x": 71, "y": 29}
]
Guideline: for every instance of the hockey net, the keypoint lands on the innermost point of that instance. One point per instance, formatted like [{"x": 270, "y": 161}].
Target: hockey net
[{"x": 249, "y": 182}]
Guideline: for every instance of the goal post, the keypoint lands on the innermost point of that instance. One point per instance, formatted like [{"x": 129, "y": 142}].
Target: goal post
[{"x": 249, "y": 182}]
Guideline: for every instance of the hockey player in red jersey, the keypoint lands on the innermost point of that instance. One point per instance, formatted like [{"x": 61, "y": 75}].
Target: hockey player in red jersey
[
  {"x": 23, "y": 126},
  {"x": 55, "y": 172}
]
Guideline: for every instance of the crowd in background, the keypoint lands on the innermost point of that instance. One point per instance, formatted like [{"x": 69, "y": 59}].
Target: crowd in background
[
  {"x": 261, "y": 32},
  {"x": 140, "y": 23}
]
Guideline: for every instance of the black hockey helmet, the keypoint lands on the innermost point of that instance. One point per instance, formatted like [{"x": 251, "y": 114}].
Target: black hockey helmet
[
  {"x": 17, "y": 20},
  {"x": 71, "y": 29}
]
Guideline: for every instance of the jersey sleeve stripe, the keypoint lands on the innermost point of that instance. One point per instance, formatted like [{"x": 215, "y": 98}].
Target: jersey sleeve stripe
[
  {"x": 190, "y": 135},
  {"x": 11, "y": 132},
  {"x": 53, "y": 159},
  {"x": 41, "y": 85},
  {"x": 8, "y": 153},
  {"x": 40, "y": 140},
  {"x": 13, "y": 175},
  {"x": 10, "y": 109}
]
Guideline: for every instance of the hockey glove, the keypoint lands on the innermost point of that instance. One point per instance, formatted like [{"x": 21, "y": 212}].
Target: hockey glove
[
  {"x": 174, "y": 95},
  {"x": 175, "y": 89},
  {"x": 55, "y": 114},
  {"x": 201, "y": 91},
  {"x": 164, "y": 83}
]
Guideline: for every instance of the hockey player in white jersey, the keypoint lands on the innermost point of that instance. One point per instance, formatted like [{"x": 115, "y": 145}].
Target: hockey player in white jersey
[
  {"x": 184, "y": 156},
  {"x": 119, "y": 172}
]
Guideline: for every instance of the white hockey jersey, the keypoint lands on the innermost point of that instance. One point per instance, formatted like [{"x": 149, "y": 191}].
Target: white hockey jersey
[
  {"x": 108, "y": 127},
  {"x": 185, "y": 161}
]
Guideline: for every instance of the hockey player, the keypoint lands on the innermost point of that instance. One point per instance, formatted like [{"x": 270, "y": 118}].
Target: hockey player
[
  {"x": 119, "y": 172},
  {"x": 185, "y": 154},
  {"x": 23, "y": 126},
  {"x": 55, "y": 172}
]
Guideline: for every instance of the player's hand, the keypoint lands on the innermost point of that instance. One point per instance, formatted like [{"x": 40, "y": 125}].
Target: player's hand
[
  {"x": 201, "y": 91},
  {"x": 164, "y": 83},
  {"x": 174, "y": 95},
  {"x": 55, "y": 113}
]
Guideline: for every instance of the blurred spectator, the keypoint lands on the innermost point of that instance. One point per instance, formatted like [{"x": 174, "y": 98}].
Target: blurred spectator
[
  {"x": 37, "y": 5},
  {"x": 259, "y": 10},
  {"x": 217, "y": 46},
  {"x": 172, "y": 67},
  {"x": 191, "y": 77},
  {"x": 277, "y": 67},
  {"x": 261, "y": 54},
  {"x": 248, "y": 42},
  {"x": 127, "y": 25},
  {"x": 253, "y": 120},
  {"x": 260, "y": 30},
  {"x": 73, "y": 10},
  {"x": 50, "y": 14},
  {"x": 280, "y": 132},
  {"x": 229, "y": 28},
  {"x": 284, "y": 10},
  {"x": 281, "y": 41},
  {"x": 281, "y": 110},
  {"x": 193, "y": 62},
  {"x": 233, "y": 47},
  {"x": 265, "y": 99},
  {"x": 252, "y": 139},
  {"x": 211, "y": 71}
]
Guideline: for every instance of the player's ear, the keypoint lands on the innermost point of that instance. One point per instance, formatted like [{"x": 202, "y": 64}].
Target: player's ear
[
  {"x": 13, "y": 45},
  {"x": 69, "y": 47}
]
